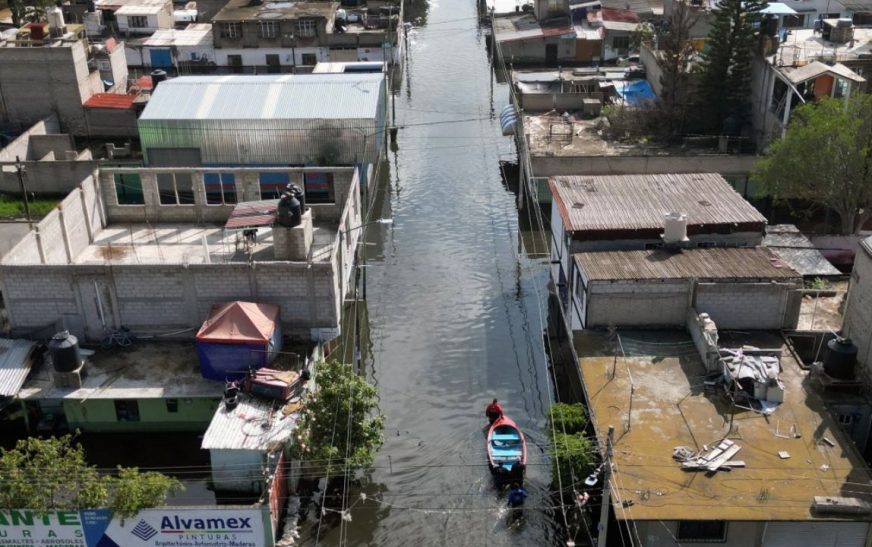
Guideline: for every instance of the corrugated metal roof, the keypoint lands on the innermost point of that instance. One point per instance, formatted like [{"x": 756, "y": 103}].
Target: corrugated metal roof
[
  {"x": 110, "y": 100},
  {"x": 14, "y": 365},
  {"x": 817, "y": 68},
  {"x": 714, "y": 263},
  {"x": 252, "y": 425},
  {"x": 639, "y": 202},
  {"x": 288, "y": 96},
  {"x": 791, "y": 246}
]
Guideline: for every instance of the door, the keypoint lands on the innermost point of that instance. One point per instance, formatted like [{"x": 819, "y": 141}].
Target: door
[
  {"x": 273, "y": 66},
  {"x": 550, "y": 53},
  {"x": 98, "y": 305},
  {"x": 161, "y": 58}
]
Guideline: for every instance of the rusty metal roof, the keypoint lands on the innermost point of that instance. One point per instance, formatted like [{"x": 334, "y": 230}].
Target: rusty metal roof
[
  {"x": 110, "y": 100},
  {"x": 639, "y": 202},
  {"x": 701, "y": 264}
]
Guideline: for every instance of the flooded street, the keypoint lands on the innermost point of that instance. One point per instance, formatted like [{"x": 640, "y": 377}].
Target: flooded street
[{"x": 456, "y": 310}]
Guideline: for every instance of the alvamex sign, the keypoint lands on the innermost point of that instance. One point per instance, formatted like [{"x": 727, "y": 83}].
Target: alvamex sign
[{"x": 179, "y": 524}]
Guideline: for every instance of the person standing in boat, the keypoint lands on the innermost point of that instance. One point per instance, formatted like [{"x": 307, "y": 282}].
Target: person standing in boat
[{"x": 493, "y": 411}]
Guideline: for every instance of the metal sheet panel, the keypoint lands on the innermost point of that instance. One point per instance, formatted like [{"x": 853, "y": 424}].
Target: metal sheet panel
[
  {"x": 252, "y": 425},
  {"x": 831, "y": 534},
  {"x": 640, "y": 202},
  {"x": 14, "y": 365}
]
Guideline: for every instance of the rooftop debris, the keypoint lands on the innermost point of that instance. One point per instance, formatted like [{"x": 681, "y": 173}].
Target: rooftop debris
[
  {"x": 840, "y": 505},
  {"x": 709, "y": 459}
]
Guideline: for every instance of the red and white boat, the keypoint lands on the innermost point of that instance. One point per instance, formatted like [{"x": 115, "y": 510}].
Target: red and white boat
[{"x": 506, "y": 451}]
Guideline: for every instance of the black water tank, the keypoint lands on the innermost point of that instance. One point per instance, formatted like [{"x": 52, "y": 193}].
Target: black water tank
[
  {"x": 289, "y": 212},
  {"x": 157, "y": 76},
  {"x": 840, "y": 360},
  {"x": 297, "y": 192},
  {"x": 64, "y": 350}
]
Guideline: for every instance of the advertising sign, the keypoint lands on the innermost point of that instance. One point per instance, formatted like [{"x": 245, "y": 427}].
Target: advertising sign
[{"x": 165, "y": 527}]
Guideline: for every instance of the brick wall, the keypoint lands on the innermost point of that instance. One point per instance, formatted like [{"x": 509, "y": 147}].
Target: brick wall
[{"x": 637, "y": 304}]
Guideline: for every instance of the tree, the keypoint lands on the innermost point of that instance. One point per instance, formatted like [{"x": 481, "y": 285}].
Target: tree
[
  {"x": 338, "y": 429},
  {"x": 572, "y": 455},
  {"x": 674, "y": 58},
  {"x": 825, "y": 158},
  {"x": 132, "y": 491},
  {"x": 50, "y": 474},
  {"x": 726, "y": 72}
]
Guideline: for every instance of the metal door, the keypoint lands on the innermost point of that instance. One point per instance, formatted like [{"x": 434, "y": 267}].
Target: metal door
[
  {"x": 161, "y": 58},
  {"x": 550, "y": 53}
]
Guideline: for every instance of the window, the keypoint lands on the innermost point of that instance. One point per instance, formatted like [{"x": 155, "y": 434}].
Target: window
[
  {"x": 621, "y": 42},
  {"x": 220, "y": 188},
  {"x": 702, "y": 531},
  {"x": 137, "y": 21},
  {"x": 175, "y": 188},
  {"x": 318, "y": 187},
  {"x": 128, "y": 189},
  {"x": 172, "y": 405},
  {"x": 268, "y": 29},
  {"x": 310, "y": 59},
  {"x": 231, "y": 30},
  {"x": 794, "y": 21},
  {"x": 273, "y": 66},
  {"x": 306, "y": 28},
  {"x": 841, "y": 88},
  {"x": 273, "y": 184},
  {"x": 126, "y": 410}
]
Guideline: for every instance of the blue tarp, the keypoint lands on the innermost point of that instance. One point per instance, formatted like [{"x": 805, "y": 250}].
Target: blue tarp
[
  {"x": 231, "y": 361},
  {"x": 635, "y": 92}
]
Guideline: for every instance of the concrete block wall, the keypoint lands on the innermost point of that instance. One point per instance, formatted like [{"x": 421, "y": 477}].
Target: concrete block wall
[
  {"x": 548, "y": 166},
  {"x": 36, "y": 81},
  {"x": 637, "y": 304},
  {"x": 858, "y": 312},
  {"x": 64, "y": 232},
  {"x": 754, "y": 306},
  {"x": 36, "y": 296}
]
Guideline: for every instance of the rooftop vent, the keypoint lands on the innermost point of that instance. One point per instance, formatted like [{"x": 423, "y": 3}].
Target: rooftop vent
[{"x": 675, "y": 229}]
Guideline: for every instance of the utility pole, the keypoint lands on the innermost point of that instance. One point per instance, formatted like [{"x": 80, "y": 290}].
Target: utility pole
[
  {"x": 606, "y": 501},
  {"x": 19, "y": 169}
]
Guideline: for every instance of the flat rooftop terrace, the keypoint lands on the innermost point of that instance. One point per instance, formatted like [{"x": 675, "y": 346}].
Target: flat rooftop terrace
[
  {"x": 670, "y": 408},
  {"x": 804, "y": 45},
  {"x": 191, "y": 244},
  {"x": 550, "y": 136},
  {"x": 141, "y": 371}
]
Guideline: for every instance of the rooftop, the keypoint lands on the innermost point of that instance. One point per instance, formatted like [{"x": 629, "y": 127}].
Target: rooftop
[
  {"x": 804, "y": 45},
  {"x": 140, "y": 9},
  {"x": 670, "y": 408},
  {"x": 619, "y": 19},
  {"x": 791, "y": 246},
  {"x": 699, "y": 264},
  {"x": 142, "y": 371},
  {"x": 254, "y": 424},
  {"x": 506, "y": 7},
  {"x": 245, "y": 10},
  {"x": 525, "y": 27},
  {"x": 289, "y": 96},
  {"x": 190, "y": 244},
  {"x": 111, "y": 100},
  {"x": 817, "y": 68},
  {"x": 639, "y": 202},
  {"x": 193, "y": 35},
  {"x": 116, "y": 4},
  {"x": 15, "y": 363}
]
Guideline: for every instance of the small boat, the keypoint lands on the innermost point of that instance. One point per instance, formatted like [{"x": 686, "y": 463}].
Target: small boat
[{"x": 506, "y": 451}]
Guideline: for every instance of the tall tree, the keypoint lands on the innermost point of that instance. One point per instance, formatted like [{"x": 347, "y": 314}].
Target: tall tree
[
  {"x": 675, "y": 55},
  {"x": 825, "y": 158},
  {"x": 726, "y": 79},
  {"x": 339, "y": 429}
]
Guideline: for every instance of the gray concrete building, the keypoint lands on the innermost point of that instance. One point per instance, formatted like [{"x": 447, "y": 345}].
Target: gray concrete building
[
  {"x": 53, "y": 74},
  {"x": 858, "y": 312},
  {"x": 155, "y": 249}
]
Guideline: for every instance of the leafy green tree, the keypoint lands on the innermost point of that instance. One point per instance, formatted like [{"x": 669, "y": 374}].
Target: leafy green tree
[
  {"x": 51, "y": 474},
  {"x": 726, "y": 77},
  {"x": 132, "y": 491},
  {"x": 572, "y": 455},
  {"x": 45, "y": 474},
  {"x": 825, "y": 158},
  {"x": 339, "y": 421}
]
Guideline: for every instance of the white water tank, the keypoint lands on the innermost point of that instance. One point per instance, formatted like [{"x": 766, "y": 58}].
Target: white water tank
[
  {"x": 56, "y": 25},
  {"x": 675, "y": 228}
]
